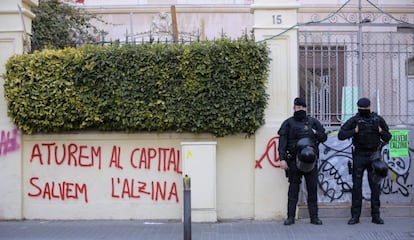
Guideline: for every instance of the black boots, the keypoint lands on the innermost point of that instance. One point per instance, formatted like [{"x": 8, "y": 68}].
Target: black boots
[
  {"x": 377, "y": 220},
  {"x": 316, "y": 221},
  {"x": 289, "y": 221},
  {"x": 353, "y": 220}
]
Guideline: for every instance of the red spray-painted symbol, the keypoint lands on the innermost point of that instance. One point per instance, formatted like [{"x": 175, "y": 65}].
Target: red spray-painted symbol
[{"x": 270, "y": 154}]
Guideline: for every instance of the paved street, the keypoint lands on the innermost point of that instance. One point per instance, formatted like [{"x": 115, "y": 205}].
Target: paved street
[{"x": 400, "y": 228}]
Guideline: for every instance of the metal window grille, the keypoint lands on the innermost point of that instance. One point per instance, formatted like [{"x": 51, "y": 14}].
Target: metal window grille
[{"x": 328, "y": 63}]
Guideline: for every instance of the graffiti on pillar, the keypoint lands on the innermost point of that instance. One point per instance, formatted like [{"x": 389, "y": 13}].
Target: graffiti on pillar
[
  {"x": 137, "y": 174},
  {"x": 9, "y": 141},
  {"x": 270, "y": 154}
]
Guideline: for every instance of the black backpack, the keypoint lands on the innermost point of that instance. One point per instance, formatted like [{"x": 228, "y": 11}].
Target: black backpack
[{"x": 368, "y": 135}]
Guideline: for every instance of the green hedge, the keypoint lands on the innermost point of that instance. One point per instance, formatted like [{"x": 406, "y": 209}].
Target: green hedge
[{"x": 216, "y": 87}]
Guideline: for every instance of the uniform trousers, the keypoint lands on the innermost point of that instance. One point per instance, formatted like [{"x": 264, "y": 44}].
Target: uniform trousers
[
  {"x": 311, "y": 179},
  {"x": 362, "y": 162}
]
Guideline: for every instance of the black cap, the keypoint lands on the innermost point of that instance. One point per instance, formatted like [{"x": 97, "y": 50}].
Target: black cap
[
  {"x": 299, "y": 102},
  {"x": 364, "y": 102}
]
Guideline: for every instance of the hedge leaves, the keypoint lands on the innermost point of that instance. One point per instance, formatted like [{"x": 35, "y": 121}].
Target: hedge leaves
[{"x": 216, "y": 87}]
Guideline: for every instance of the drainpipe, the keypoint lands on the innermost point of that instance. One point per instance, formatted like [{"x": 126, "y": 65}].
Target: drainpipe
[{"x": 359, "y": 67}]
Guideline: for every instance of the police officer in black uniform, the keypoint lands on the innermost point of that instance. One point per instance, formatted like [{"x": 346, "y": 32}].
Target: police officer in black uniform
[
  {"x": 301, "y": 128},
  {"x": 369, "y": 132}
]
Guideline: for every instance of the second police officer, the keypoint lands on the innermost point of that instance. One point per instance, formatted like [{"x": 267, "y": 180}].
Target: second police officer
[{"x": 369, "y": 132}]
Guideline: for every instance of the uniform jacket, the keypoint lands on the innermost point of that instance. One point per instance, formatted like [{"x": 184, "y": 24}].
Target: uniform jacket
[
  {"x": 348, "y": 131},
  {"x": 292, "y": 130}
]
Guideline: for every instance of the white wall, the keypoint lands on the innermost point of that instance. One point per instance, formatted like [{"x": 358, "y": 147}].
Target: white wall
[
  {"x": 131, "y": 2},
  {"x": 104, "y": 176},
  {"x": 127, "y": 176},
  {"x": 15, "y": 25},
  {"x": 192, "y": 20},
  {"x": 271, "y": 19},
  {"x": 92, "y": 175}
]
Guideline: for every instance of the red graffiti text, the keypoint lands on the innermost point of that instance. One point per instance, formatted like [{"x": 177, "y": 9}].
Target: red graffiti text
[
  {"x": 166, "y": 159},
  {"x": 58, "y": 190},
  {"x": 71, "y": 155},
  {"x": 132, "y": 188}
]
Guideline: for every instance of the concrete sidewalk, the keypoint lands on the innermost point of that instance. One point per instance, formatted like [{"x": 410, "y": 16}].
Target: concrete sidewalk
[{"x": 401, "y": 228}]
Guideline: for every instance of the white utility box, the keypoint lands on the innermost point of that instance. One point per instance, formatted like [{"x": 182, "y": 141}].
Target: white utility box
[{"x": 199, "y": 163}]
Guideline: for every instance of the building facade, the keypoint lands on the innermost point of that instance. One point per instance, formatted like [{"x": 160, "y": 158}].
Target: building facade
[{"x": 330, "y": 52}]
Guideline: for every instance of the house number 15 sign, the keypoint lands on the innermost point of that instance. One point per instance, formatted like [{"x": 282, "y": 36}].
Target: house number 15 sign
[{"x": 277, "y": 19}]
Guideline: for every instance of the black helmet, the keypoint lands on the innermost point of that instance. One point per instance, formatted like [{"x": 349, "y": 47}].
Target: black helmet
[
  {"x": 305, "y": 155},
  {"x": 379, "y": 170}
]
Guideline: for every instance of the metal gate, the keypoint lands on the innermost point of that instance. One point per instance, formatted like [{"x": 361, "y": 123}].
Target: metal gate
[{"x": 329, "y": 74}]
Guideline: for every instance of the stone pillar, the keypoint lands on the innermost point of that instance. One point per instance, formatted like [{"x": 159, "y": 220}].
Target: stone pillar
[
  {"x": 274, "y": 22},
  {"x": 15, "y": 29}
]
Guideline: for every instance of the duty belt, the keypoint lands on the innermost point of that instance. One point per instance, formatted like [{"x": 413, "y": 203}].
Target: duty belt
[{"x": 289, "y": 155}]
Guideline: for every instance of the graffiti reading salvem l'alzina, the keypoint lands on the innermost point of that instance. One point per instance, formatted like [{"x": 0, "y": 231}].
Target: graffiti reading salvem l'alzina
[
  {"x": 335, "y": 181},
  {"x": 137, "y": 175}
]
